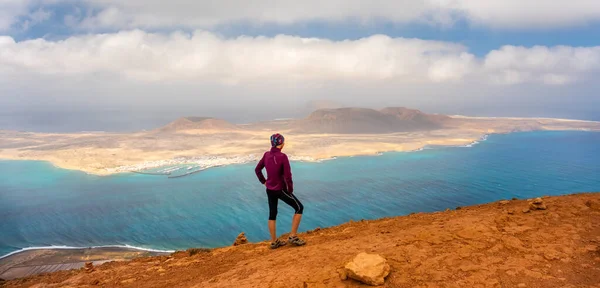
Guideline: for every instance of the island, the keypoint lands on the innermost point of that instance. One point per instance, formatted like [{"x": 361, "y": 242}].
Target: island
[{"x": 193, "y": 144}]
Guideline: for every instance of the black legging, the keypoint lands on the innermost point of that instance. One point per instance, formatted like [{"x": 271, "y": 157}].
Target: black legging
[{"x": 288, "y": 198}]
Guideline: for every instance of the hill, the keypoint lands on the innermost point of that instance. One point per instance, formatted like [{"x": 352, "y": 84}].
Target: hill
[
  {"x": 491, "y": 245},
  {"x": 322, "y": 104},
  {"x": 368, "y": 121},
  {"x": 198, "y": 124}
]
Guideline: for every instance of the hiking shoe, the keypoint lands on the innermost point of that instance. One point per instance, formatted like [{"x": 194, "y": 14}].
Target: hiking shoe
[
  {"x": 277, "y": 244},
  {"x": 296, "y": 241}
]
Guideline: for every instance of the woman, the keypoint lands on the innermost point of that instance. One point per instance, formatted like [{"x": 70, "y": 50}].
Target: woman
[{"x": 279, "y": 185}]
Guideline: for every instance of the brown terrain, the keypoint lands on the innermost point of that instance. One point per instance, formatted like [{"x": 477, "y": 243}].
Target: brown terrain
[
  {"x": 511, "y": 243},
  {"x": 198, "y": 124},
  {"x": 368, "y": 121}
]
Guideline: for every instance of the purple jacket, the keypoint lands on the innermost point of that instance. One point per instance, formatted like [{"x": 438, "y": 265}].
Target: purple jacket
[{"x": 279, "y": 172}]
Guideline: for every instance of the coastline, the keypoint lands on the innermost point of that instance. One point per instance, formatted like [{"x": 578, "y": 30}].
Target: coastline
[
  {"x": 207, "y": 161},
  {"x": 31, "y": 261},
  {"x": 60, "y": 247}
]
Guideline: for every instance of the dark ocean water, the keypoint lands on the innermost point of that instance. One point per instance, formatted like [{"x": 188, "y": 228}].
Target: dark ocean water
[{"x": 45, "y": 206}]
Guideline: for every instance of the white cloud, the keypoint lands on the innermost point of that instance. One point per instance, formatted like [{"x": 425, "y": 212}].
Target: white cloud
[
  {"x": 10, "y": 11},
  {"x": 24, "y": 14},
  {"x": 494, "y": 13},
  {"x": 131, "y": 14},
  {"x": 204, "y": 56},
  {"x": 555, "y": 65},
  {"x": 207, "y": 58},
  {"x": 525, "y": 14}
]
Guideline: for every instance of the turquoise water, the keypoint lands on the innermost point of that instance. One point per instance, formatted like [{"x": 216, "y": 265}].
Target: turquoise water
[{"x": 43, "y": 206}]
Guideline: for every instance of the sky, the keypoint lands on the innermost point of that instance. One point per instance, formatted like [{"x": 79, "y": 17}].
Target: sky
[{"x": 139, "y": 63}]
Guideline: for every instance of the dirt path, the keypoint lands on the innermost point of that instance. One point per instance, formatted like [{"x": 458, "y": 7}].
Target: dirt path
[{"x": 479, "y": 246}]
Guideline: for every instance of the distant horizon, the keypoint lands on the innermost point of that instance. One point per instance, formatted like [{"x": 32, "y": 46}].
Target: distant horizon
[{"x": 115, "y": 120}]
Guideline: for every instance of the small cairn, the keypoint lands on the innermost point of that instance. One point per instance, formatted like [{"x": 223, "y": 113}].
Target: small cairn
[
  {"x": 537, "y": 204},
  {"x": 240, "y": 240},
  {"x": 89, "y": 267}
]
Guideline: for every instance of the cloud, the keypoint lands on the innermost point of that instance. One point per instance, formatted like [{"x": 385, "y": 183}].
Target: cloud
[
  {"x": 519, "y": 14},
  {"x": 551, "y": 65},
  {"x": 176, "y": 14},
  {"x": 23, "y": 14},
  {"x": 493, "y": 13},
  {"x": 205, "y": 57},
  {"x": 36, "y": 18},
  {"x": 10, "y": 11}
]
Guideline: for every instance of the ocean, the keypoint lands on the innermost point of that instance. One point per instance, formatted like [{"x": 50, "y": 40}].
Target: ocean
[{"x": 41, "y": 205}]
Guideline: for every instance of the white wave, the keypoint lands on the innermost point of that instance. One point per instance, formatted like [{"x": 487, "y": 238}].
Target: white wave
[
  {"x": 469, "y": 145},
  {"x": 481, "y": 139},
  {"x": 62, "y": 247}
]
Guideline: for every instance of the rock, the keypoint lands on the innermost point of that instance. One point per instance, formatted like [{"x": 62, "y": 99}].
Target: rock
[
  {"x": 317, "y": 230},
  {"x": 370, "y": 269},
  {"x": 551, "y": 255},
  {"x": 94, "y": 282},
  {"x": 504, "y": 202},
  {"x": 343, "y": 274},
  {"x": 512, "y": 242},
  {"x": 515, "y": 198},
  {"x": 533, "y": 206},
  {"x": 521, "y": 285},
  {"x": 458, "y": 208},
  {"x": 592, "y": 204},
  {"x": 510, "y": 212},
  {"x": 128, "y": 281},
  {"x": 89, "y": 267},
  {"x": 526, "y": 210},
  {"x": 240, "y": 240},
  {"x": 537, "y": 204}
]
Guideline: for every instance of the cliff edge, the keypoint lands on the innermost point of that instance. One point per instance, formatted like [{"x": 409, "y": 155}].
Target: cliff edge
[{"x": 511, "y": 243}]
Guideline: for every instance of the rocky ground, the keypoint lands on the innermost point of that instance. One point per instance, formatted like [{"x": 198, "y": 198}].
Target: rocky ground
[{"x": 515, "y": 243}]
